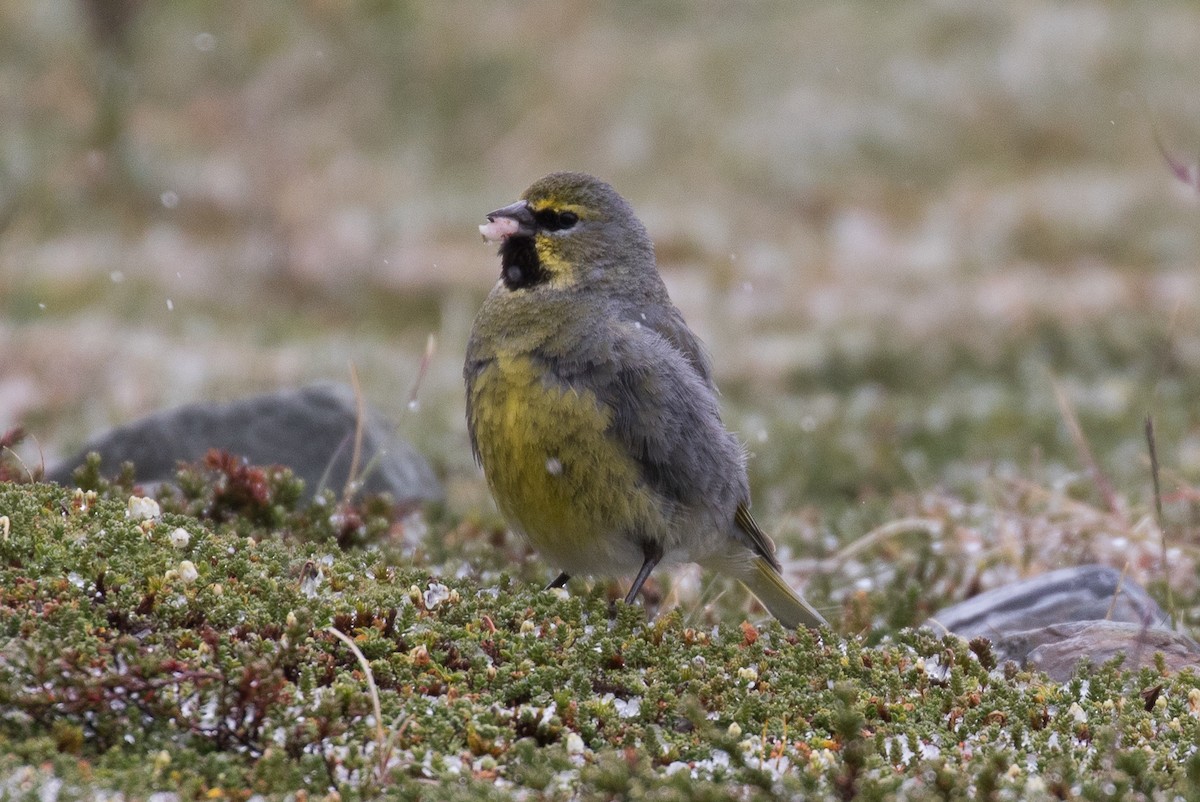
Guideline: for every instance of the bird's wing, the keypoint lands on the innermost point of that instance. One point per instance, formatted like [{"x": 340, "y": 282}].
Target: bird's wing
[
  {"x": 672, "y": 326},
  {"x": 473, "y": 365},
  {"x": 668, "y": 321},
  {"x": 665, "y": 414}
]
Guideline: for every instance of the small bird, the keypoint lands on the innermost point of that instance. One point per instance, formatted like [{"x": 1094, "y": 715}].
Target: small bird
[{"x": 592, "y": 409}]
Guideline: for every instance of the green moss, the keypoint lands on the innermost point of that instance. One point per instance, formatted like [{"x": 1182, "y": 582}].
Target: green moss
[
  {"x": 124, "y": 669},
  {"x": 909, "y": 415}
]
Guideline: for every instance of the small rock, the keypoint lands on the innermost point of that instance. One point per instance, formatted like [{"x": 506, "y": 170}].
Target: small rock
[
  {"x": 1082, "y": 593},
  {"x": 1057, "y": 649},
  {"x": 1052, "y": 622},
  {"x": 310, "y": 430}
]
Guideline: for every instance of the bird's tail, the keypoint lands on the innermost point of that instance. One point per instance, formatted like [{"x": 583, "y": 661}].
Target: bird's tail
[{"x": 785, "y": 604}]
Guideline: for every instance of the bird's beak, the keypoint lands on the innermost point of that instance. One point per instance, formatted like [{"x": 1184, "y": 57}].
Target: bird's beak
[{"x": 514, "y": 220}]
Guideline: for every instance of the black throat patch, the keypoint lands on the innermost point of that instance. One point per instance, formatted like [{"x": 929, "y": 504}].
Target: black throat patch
[{"x": 519, "y": 264}]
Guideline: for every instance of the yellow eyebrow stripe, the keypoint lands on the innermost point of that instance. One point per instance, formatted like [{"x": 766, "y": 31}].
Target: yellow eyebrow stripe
[{"x": 552, "y": 203}]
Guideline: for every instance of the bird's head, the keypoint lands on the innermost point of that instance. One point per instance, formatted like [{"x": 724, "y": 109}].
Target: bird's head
[{"x": 568, "y": 230}]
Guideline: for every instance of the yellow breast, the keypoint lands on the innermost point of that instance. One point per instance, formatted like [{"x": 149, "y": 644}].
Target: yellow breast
[{"x": 555, "y": 472}]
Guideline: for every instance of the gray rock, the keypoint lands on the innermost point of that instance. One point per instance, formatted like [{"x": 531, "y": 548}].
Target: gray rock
[
  {"x": 1054, "y": 621},
  {"x": 310, "y": 430},
  {"x": 1082, "y": 593},
  {"x": 1057, "y": 649}
]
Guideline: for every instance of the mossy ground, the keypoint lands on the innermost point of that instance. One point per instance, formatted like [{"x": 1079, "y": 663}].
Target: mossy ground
[{"x": 190, "y": 652}]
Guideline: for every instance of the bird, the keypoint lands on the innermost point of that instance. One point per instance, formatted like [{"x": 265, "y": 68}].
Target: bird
[{"x": 592, "y": 409}]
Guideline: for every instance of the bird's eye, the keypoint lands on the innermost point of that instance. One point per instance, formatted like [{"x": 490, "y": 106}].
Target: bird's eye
[{"x": 552, "y": 220}]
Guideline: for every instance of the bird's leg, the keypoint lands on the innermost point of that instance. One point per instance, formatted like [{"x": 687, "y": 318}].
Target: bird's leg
[
  {"x": 559, "y": 581},
  {"x": 653, "y": 553}
]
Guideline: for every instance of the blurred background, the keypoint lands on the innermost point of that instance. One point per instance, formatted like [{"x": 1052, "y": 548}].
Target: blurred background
[{"x": 898, "y": 227}]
